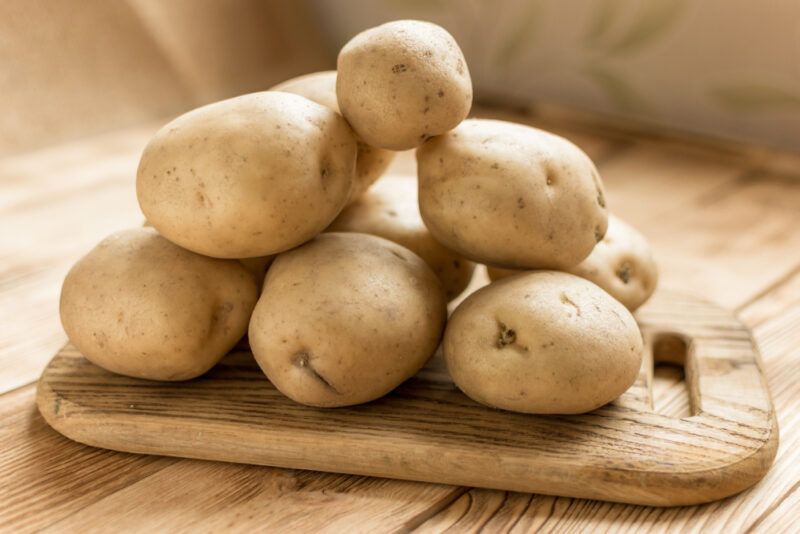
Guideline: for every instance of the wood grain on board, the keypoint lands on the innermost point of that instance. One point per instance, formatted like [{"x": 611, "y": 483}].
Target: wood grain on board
[
  {"x": 429, "y": 431},
  {"x": 738, "y": 252}
]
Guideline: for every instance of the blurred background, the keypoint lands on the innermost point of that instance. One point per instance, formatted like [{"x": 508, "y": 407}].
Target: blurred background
[{"x": 721, "y": 68}]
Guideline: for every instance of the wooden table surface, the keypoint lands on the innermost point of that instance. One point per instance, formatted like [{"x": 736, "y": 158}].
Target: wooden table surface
[{"x": 724, "y": 226}]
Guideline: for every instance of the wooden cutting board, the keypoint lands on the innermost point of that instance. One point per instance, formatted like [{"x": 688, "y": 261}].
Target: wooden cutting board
[{"x": 427, "y": 430}]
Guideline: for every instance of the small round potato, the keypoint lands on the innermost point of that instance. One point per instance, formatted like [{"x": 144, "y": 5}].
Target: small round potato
[
  {"x": 510, "y": 195},
  {"x": 140, "y": 306},
  {"x": 249, "y": 176},
  {"x": 390, "y": 210},
  {"x": 402, "y": 82},
  {"x": 622, "y": 264},
  {"x": 320, "y": 87},
  {"x": 346, "y": 318},
  {"x": 543, "y": 342}
]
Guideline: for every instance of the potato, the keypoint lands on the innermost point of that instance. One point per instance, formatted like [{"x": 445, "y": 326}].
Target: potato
[
  {"x": 511, "y": 196},
  {"x": 320, "y": 87},
  {"x": 622, "y": 264},
  {"x": 402, "y": 82},
  {"x": 140, "y": 306},
  {"x": 249, "y": 176},
  {"x": 542, "y": 342},
  {"x": 390, "y": 210},
  {"x": 346, "y": 318},
  {"x": 257, "y": 266}
]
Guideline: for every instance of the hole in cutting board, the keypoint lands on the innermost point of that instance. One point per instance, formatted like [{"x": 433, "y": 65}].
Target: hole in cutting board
[{"x": 670, "y": 390}]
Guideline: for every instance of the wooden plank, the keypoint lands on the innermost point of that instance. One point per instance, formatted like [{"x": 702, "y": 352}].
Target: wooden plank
[
  {"x": 45, "y": 477},
  {"x": 670, "y": 392},
  {"x": 48, "y": 480},
  {"x": 55, "y": 205},
  {"x": 193, "y": 496},
  {"x": 775, "y": 301},
  {"x": 770, "y": 506},
  {"x": 480, "y": 510},
  {"x": 426, "y": 430},
  {"x": 783, "y": 516},
  {"x": 708, "y": 247},
  {"x": 647, "y": 183}
]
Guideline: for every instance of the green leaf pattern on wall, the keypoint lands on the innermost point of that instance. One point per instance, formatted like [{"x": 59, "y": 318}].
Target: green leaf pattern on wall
[
  {"x": 654, "y": 18},
  {"x": 753, "y": 97},
  {"x": 636, "y": 57},
  {"x": 606, "y": 41},
  {"x": 618, "y": 90},
  {"x": 527, "y": 24},
  {"x": 602, "y": 21}
]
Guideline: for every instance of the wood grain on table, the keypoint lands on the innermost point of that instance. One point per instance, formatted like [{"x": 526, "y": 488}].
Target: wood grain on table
[{"x": 722, "y": 229}]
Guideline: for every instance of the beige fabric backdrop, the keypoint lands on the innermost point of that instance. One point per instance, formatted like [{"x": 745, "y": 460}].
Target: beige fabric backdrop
[
  {"x": 69, "y": 69},
  {"x": 726, "y": 68}
]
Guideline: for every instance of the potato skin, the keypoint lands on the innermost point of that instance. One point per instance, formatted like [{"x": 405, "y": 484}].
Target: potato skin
[
  {"x": 390, "y": 210},
  {"x": 140, "y": 306},
  {"x": 249, "y": 176},
  {"x": 320, "y": 87},
  {"x": 622, "y": 264},
  {"x": 402, "y": 82},
  {"x": 256, "y": 266},
  {"x": 542, "y": 342},
  {"x": 346, "y": 318},
  {"x": 511, "y": 196}
]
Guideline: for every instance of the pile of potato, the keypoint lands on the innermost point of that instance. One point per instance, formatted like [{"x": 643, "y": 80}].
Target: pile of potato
[{"x": 262, "y": 222}]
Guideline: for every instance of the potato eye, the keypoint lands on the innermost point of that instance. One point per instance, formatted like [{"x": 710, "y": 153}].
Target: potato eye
[{"x": 624, "y": 272}]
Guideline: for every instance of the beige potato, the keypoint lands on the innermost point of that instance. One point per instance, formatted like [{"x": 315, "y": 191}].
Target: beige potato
[
  {"x": 403, "y": 82},
  {"x": 320, "y": 87},
  {"x": 622, "y": 264},
  {"x": 346, "y": 318},
  {"x": 390, "y": 210},
  {"x": 249, "y": 176},
  {"x": 140, "y": 306},
  {"x": 511, "y": 196},
  {"x": 256, "y": 266},
  {"x": 543, "y": 342}
]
